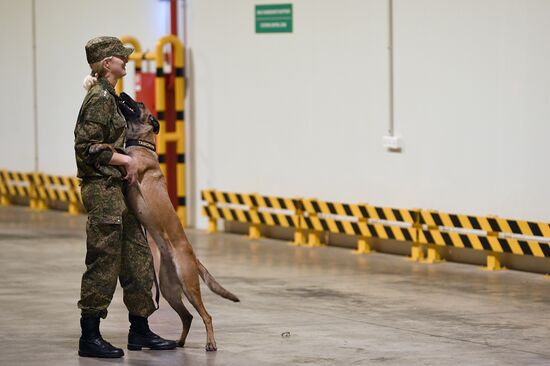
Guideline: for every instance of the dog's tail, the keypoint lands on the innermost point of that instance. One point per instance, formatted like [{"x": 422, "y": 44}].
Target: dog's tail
[{"x": 214, "y": 285}]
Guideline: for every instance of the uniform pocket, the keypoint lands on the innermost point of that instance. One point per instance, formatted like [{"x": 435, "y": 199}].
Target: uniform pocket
[{"x": 104, "y": 236}]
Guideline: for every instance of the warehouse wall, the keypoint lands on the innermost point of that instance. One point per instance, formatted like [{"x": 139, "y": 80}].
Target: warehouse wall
[
  {"x": 62, "y": 29},
  {"x": 16, "y": 100},
  {"x": 303, "y": 114}
]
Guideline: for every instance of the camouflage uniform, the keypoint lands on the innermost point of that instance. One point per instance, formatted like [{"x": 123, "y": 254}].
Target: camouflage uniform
[{"x": 116, "y": 245}]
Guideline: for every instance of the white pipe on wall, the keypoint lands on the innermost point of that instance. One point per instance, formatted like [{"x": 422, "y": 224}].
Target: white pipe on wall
[
  {"x": 34, "y": 88},
  {"x": 390, "y": 67}
]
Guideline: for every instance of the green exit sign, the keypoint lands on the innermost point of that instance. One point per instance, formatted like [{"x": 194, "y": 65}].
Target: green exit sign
[{"x": 274, "y": 18}]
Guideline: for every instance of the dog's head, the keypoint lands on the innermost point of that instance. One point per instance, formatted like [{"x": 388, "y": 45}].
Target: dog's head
[{"x": 142, "y": 125}]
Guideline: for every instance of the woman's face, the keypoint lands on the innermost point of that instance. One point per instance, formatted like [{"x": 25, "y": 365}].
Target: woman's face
[{"x": 117, "y": 66}]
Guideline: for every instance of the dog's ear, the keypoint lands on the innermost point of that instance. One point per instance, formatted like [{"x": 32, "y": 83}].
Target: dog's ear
[
  {"x": 150, "y": 118},
  {"x": 155, "y": 123}
]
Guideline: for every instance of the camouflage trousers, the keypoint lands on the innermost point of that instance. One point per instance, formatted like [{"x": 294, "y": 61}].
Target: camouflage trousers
[{"x": 116, "y": 249}]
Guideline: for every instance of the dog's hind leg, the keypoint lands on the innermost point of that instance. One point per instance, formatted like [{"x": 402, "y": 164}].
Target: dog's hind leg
[
  {"x": 194, "y": 297},
  {"x": 188, "y": 273},
  {"x": 172, "y": 292}
]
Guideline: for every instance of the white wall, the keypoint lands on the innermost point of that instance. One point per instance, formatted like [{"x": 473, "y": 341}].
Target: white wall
[
  {"x": 16, "y": 98},
  {"x": 62, "y": 28},
  {"x": 303, "y": 114}
]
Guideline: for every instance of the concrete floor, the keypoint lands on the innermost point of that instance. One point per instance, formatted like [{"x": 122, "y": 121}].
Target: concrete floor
[{"x": 340, "y": 308}]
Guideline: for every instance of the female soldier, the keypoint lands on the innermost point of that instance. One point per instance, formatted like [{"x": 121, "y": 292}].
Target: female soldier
[{"x": 116, "y": 245}]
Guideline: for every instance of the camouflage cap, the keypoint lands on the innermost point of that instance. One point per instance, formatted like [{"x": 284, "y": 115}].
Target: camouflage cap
[{"x": 100, "y": 47}]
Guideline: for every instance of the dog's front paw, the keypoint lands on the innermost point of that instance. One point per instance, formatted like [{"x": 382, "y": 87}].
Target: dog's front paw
[{"x": 211, "y": 347}]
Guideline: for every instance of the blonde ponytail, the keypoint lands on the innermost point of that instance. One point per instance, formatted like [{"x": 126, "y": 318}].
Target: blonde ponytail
[{"x": 98, "y": 70}]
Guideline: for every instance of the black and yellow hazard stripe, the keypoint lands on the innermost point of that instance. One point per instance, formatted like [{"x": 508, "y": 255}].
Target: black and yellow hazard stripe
[
  {"x": 275, "y": 219},
  {"x": 393, "y": 223},
  {"x": 520, "y": 247},
  {"x": 361, "y": 220},
  {"x": 455, "y": 239},
  {"x": 213, "y": 196},
  {"x": 315, "y": 207},
  {"x": 55, "y": 188},
  {"x": 227, "y": 213},
  {"x": 438, "y": 219},
  {"x": 4, "y": 194},
  {"x": 519, "y": 227},
  {"x": 337, "y": 226},
  {"x": 73, "y": 191},
  {"x": 17, "y": 184},
  {"x": 277, "y": 203},
  {"x": 179, "y": 135},
  {"x": 312, "y": 221},
  {"x": 485, "y": 243},
  {"x": 440, "y": 226},
  {"x": 263, "y": 210}
]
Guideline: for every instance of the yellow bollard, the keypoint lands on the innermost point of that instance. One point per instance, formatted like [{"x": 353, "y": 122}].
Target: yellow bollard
[
  {"x": 493, "y": 262},
  {"x": 299, "y": 230},
  {"x": 433, "y": 255},
  {"x": 254, "y": 232},
  {"x": 363, "y": 246},
  {"x": 212, "y": 225},
  {"x": 314, "y": 238},
  {"x": 212, "y": 221},
  {"x": 417, "y": 252},
  {"x": 72, "y": 193},
  {"x": 37, "y": 193}
]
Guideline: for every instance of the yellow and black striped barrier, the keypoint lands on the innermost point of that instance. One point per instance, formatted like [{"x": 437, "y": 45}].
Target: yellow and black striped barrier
[
  {"x": 426, "y": 230},
  {"x": 252, "y": 209},
  {"x": 276, "y": 211},
  {"x": 490, "y": 234},
  {"x": 225, "y": 206},
  {"x": 361, "y": 220},
  {"x": 4, "y": 196},
  {"x": 396, "y": 224},
  {"x": 40, "y": 191},
  {"x": 336, "y": 218},
  {"x": 16, "y": 187}
]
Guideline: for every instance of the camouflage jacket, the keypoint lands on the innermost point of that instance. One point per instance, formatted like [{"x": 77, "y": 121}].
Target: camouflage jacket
[{"x": 99, "y": 122}]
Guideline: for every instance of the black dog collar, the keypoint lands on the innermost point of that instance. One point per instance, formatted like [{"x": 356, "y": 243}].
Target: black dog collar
[{"x": 141, "y": 143}]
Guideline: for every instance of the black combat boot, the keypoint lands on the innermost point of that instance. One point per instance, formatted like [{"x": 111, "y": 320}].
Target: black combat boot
[
  {"x": 91, "y": 343},
  {"x": 140, "y": 336}
]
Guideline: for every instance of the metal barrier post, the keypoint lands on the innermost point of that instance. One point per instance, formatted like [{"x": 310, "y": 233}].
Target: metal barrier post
[
  {"x": 72, "y": 192},
  {"x": 254, "y": 232},
  {"x": 363, "y": 242},
  {"x": 493, "y": 262},
  {"x": 177, "y": 136},
  {"x": 38, "y": 194},
  {"x": 300, "y": 229},
  {"x": 4, "y": 197},
  {"x": 433, "y": 255},
  {"x": 363, "y": 246},
  {"x": 417, "y": 248},
  {"x": 314, "y": 238},
  {"x": 210, "y": 197}
]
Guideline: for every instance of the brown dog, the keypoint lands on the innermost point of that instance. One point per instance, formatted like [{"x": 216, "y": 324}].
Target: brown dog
[{"x": 179, "y": 267}]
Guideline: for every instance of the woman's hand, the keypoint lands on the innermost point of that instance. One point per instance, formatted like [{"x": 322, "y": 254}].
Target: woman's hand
[
  {"x": 131, "y": 168},
  {"x": 129, "y": 164}
]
